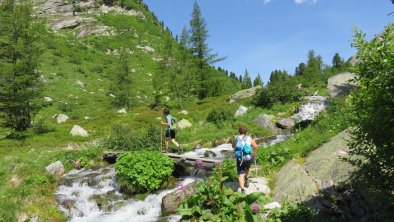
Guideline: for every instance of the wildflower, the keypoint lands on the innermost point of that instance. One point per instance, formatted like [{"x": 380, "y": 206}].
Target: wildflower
[
  {"x": 255, "y": 208},
  {"x": 182, "y": 187},
  {"x": 199, "y": 164},
  {"x": 219, "y": 163}
]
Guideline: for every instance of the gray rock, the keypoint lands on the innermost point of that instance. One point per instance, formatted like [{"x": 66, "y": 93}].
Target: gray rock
[
  {"x": 122, "y": 111},
  {"x": 241, "y": 111},
  {"x": 70, "y": 23},
  {"x": 78, "y": 131},
  {"x": 184, "y": 124},
  {"x": 48, "y": 99},
  {"x": 341, "y": 84},
  {"x": 55, "y": 169},
  {"x": 79, "y": 82},
  {"x": 323, "y": 170},
  {"x": 272, "y": 205},
  {"x": 294, "y": 184},
  {"x": 184, "y": 112},
  {"x": 265, "y": 121},
  {"x": 243, "y": 94},
  {"x": 326, "y": 164},
  {"x": 172, "y": 200},
  {"x": 61, "y": 118},
  {"x": 285, "y": 123},
  {"x": 146, "y": 48},
  {"x": 322, "y": 99}
]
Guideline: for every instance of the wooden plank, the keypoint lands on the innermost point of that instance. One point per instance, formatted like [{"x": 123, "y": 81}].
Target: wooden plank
[
  {"x": 173, "y": 155},
  {"x": 113, "y": 155}
]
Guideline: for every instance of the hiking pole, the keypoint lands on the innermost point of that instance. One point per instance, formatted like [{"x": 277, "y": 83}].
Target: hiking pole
[
  {"x": 161, "y": 138},
  {"x": 255, "y": 168}
]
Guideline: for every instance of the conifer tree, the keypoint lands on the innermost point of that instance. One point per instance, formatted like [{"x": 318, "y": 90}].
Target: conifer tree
[
  {"x": 246, "y": 82},
  {"x": 122, "y": 83},
  {"x": 199, "y": 47},
  {"x": 184, "y": 39},
  {"x": 19, "y": 59},
  {"x": 258, "y": 81},
  {"x": 337, "y": 62}
]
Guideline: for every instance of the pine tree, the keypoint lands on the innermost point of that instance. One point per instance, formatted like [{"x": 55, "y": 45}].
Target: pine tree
[
  {"x": 300, "y": 69},
  {"x": 258, "y": 81},
  {"x": 19, "y": 59},
  {"x": 246, "y": 82},
  {"x": 122, "y": 83},
  {"x": 184, "y": 39},
  {"x": 199, "y": 47},
  {"x": 337, "y": 62}
]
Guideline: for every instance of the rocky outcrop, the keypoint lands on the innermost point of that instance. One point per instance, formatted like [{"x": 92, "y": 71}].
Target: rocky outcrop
[
  {"x": 243, "y": 94},
  {"x": 322, "y": 169},
  {"x": 146, "y": 48},
  {"x": 265, "y": 121},
  {"x": 55, "y": 169},
  {"x": 241, "y": 111},
  {"x": 341, "y": 84}
]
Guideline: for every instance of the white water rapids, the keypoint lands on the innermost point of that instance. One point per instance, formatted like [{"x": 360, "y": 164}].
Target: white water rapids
[{"x": 93, "y": 195}]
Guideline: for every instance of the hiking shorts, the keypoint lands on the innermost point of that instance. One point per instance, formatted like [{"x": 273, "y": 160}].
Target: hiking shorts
[
  {"x": 170, "y": 133},
  {"x": 241, "y": 169}
]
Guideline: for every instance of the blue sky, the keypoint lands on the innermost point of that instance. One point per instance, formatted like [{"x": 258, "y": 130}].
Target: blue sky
[{"x": 263, "y": 35}]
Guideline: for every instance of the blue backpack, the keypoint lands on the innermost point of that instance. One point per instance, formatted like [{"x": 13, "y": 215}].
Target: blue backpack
[{"x": 242, "y": 150}]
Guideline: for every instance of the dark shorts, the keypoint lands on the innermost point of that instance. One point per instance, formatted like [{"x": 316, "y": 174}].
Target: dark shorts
[
  {"x": 170, "y": 133},
  {"x": 241, "y": 169}
]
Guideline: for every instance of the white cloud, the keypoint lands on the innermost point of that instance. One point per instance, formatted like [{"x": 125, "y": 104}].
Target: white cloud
[{"x": 305, "y": 1}]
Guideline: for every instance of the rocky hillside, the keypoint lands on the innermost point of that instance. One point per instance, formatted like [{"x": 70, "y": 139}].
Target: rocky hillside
[{"x": 81, "y": 57}]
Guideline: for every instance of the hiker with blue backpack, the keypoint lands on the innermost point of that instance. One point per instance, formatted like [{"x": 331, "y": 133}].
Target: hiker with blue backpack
[
  {"x": 170, "y": 132},
  {"x": 244, "y": 147}
]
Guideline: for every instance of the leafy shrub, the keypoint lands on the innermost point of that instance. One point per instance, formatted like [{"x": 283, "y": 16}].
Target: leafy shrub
[
  {"x": 124, "y": 137},
  {"x": 143, "y": 171},
  {"x": 215, "y": 202},
  {"x": 219, "y": 116},
  {"x": 283, "y": 92},
  {"x": 40, "y": 127},
  {"x": 372, "y": 111}
]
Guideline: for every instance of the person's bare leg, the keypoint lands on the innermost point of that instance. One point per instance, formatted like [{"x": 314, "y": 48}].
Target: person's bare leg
[
  {"x": 247, "y": 172},
  {"x": 176, "y": 144},
  {"x": 166, "y": 142},
  {"x": 241, "y": 181}
]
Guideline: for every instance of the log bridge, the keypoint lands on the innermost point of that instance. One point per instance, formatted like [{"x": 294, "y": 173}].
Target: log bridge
[{"x": 185, "y": 161}]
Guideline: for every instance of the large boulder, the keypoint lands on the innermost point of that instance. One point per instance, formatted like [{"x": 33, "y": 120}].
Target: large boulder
[
  {"x": 341, "y": 84},
  {"x": 243, "y": 94},
  {"x": 265, "y": 121},
  {"x": 79, "y": 131},
  {"x": 285, "y": 123},
  {"x": 184, "y": 124},
  {"x": 241, "y": 111},
  {"x": 172, "y": 200},
  {"x": 55, "y": 169},
  {"x": 323, "y": 169}
]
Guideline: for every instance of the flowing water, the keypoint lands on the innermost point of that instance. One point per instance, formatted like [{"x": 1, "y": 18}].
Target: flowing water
[{"x": 94, "y": 196}]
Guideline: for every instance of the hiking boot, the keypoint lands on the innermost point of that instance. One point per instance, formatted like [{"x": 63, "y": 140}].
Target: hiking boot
[
  {"x": 246, "y": 182},
  {"x": 243, "y": 191}
]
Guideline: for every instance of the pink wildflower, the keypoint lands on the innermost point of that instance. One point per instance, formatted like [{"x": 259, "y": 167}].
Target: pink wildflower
[
  {"x": 255, "y": 208},
  {"x": 199, "y": 164}
]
